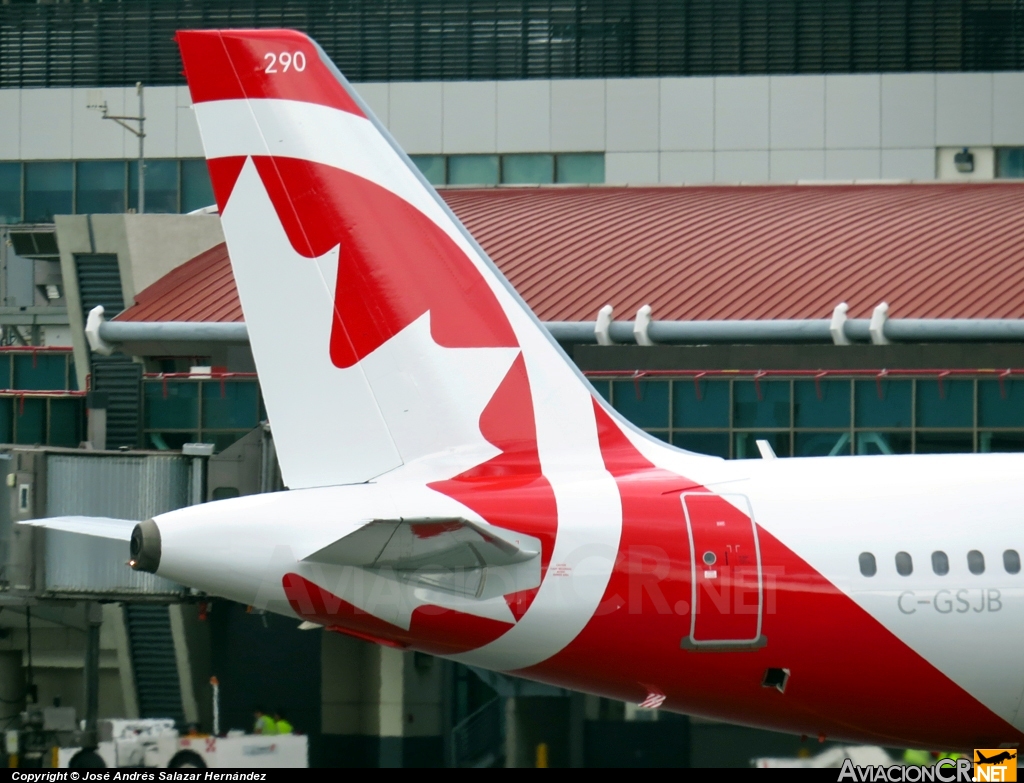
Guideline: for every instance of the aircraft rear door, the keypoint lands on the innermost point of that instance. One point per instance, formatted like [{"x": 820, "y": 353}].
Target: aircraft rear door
[{"x": 727, "y": 583}]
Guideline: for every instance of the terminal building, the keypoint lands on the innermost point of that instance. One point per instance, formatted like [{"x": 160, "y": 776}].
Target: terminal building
[{"x": 744, "y": 220}]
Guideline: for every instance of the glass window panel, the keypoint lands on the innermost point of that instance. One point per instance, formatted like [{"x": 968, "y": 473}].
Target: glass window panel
[
  {"x": 473, "y": 170},
  {"x": 821, "y": 404},
  {"x": 30, "y": 420},
  {"x": 944, "y": 443},
  {"x": 196, "y": 190},
  {"x": 904, "y": 564},
  {"x": 47, "y": 190},
  {"x": 660, "y": 434},
  {"x": 221, "y": 440},
  {"x": 882, "y": 403},
  {"x": 5, "y": 370},
  {"x": 645, "y": 403},
  {"x": 584, "y": 168},
  {"x": 173, "y": 441},
  {"x": 714, "y": 443},
  {"x": 1000, "y": 441},
  {"x": 527, "y": 169},
  {"x": 945, "y": 404},
  {"x": 746, "y": 444},
  {"x": 161, "y": 185},
  {"x": 604, "y": 388},
  {"x": 1001, "y": 404},
  {"x": 173, "y": 405},
  {"x": 940, "y": 563},
  {"x": 976, "y": 562},
  {"x": 883, "y": 443},
  {"x": 1010, "y": 162},
  {"x": 66, "y": 422},
  {"x": 6, "y": 420},
  {"x": 230, "y": 405},
  {"x": 1011, "y": 561},
  {"x": 10, "y": 193},
  {"x": 822, "y": 444},
  {"x": 432, "y": 167},
  {"x": 700, "y": 403},
  {"x": 99, "y": 186},
  {"x": 762, "y": 404},
  {"x": 867, "y": 563},
  {"x": 39, "y": 371}
]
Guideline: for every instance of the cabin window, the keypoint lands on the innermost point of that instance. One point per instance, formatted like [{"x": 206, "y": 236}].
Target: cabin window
[
  {"x": 868, "y": 567},
  {"x": 904, "y": 564},
  {"x": 1011, "y": 561},
  {"x": 940, "y": 563},
  {"x": 975, "y": 562}
]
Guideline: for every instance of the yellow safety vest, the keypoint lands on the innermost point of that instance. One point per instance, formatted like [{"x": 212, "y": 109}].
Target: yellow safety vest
[
  {"x": 284, "y": 727},
  {"x": 265, "y": 725}
]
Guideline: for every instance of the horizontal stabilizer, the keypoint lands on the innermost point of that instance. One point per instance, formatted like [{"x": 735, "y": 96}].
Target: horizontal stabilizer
[
  {"x": 98, "y": 527},
  {"x": 428, "y": 543}
]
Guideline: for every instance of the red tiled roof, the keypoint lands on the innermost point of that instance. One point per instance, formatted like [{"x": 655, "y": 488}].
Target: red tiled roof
[{"x": 696, "y": 253}]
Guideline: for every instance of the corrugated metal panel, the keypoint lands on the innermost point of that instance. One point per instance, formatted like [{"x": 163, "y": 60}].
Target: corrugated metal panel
[
  {"x": 121, "y": 379},
  {"x": 96, "y": 44},
  {"x": 694, "y": 253},
  {"x": 77, "y": 564},
  {"x": 129, "y": 487}
]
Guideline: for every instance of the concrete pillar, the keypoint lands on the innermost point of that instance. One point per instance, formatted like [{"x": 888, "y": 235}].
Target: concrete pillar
[
  {"x": 390, "y": 683},
  {"x": 96, "y": 406}
]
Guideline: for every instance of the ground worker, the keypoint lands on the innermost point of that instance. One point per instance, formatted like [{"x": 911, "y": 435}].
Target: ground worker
[
  {"x": 281, "y": 722},
  {"x": 264, "y": 723}
]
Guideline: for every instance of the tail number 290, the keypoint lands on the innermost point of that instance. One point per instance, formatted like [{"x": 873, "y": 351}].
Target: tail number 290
[{"x": 286, "y": 61}]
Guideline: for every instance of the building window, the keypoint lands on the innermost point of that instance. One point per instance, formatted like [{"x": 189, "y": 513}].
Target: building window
[
  {"x": 182, "y": 410},
  {"x": 48, "y": 190},
  {"x": 161, "y": 180},
  {"x": 473, "y": 170},
  {"x": 10, "y": 193},
  {"x": 568, "y": 168},
  {"x": 196, "y": 189},
  {"x": 1010, "y": 162},
  {"x": 527, "y": 169},
  {"x": 832, "y": 416},
  {"x": 99, "y": 186},
  {"x": 586, "y": 168}
]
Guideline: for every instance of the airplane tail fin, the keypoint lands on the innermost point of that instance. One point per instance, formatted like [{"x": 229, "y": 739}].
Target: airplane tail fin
[{"x": 382, "y": 333}]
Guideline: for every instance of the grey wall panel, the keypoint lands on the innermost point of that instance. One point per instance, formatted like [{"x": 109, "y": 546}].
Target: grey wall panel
[
  {"x": 793, "y": 165},
  {"x": 470, "y": 117},
  {"x": 1008, "y": 109},
  {"x": 415, "y": 112},
  {"x": 741, "y": 113},
  {"x": 963, "y": 109},
  {"x": 10, "y": 127},
  {"x": 161, "y": 122},
  {"x": 631, "y": 168},
  {"x": 186, "y": 127},
  {"x": 908, "y": 110},
  {"x": 94, "y": 137},
  {"x": 135, "y": 487},
  {"x": 909, "y": 164},
  {"x": 687, "y": 114},
  {"x": 853, "y": 164},
  {"x": 524, "y": 116},
  {"x": 750, "y": 166},
  {"x": 686, "y": 168},
  {"x": 852, "y": 111},
  {"x": 577, "y": 115},
  {"x": 46, "y": 124},
  {"x": 377, "y": 95},
  {"x": 631, "y": 112},
  {"x": 797, "y": 112}
]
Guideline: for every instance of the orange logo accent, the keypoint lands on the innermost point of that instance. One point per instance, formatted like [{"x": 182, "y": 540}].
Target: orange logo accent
[{"x": 995, "y": 764}]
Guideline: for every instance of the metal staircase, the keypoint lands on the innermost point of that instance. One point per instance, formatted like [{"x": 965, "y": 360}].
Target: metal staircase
[{"x": 153, "y": 661}]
